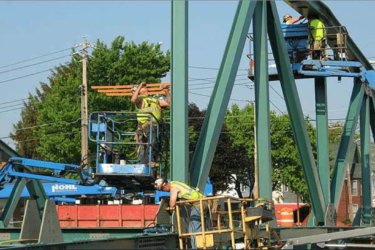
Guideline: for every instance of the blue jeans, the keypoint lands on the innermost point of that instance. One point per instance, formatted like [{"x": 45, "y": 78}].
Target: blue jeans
[{"x": 194, "y": 224}]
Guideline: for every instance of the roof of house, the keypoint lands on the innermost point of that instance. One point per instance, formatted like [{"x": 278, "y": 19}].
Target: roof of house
[
  {"x": 356, "y": 172},
  {"x": 7, "y": 150}
]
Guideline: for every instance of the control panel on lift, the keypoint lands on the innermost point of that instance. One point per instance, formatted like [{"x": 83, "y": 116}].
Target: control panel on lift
[{"x": 297, "y": 41}]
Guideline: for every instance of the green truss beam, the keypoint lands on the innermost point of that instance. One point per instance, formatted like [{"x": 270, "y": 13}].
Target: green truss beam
[
  {"x": 295, "y": 112},
  {"x": 343, "y": 157},
  {"x": 179, "y": 112},
  {"x": 38, "y": 194},
  {"x": 322, "y": 135},
  {"x": 365, "y": 160},
  {"x": 372, "y": 115},
  {"x": 261, "y": 84},
  {"x": 12, "y": 202},
  {"x": 213, "y": 122}
]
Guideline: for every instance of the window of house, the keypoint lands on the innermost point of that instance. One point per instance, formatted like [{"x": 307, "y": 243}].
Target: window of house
[
  {"x": 284, "y": 188},
  {"x": 354, "y": 188}
]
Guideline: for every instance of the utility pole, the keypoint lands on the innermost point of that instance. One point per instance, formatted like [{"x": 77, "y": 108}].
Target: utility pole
[{"x": 84, "y": 115}]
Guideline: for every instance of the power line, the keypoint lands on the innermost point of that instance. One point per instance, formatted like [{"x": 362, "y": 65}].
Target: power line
[
  {"x": 49, "y": 124},
  {"x": 10, "y": 110},
  {"x": 191, "y": 79},
  {"x": 37, "y": 57},
  {"x": 30, "y": 65},
  {"x": 11, "y": 106},
  {"x": 190, "y": 118},
  {"x": 18, "y": 100},
  {"x": 52, "y": 133},
  {"x": 211, "y": 68},
  {"x": 277, "y": 92},
  {"x": 24, "y": 76},
  {"x": 276, "y": 107},
  {"x": 213, "y": 82},
  {"x": 232, "y": 99},
  {"x": 210, "y": 87},
  {"x": 43, "y": 125}
]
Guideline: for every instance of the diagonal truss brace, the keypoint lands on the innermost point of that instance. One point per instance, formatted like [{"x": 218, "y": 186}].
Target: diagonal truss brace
[
  {"x": 295, "y": 111},
  {"x": 342, "y": 158},
  {"x": 213, "y": 122}
]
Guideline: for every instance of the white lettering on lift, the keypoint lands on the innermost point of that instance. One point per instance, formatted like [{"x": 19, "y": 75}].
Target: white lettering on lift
[{"x": 63, "y": 187}]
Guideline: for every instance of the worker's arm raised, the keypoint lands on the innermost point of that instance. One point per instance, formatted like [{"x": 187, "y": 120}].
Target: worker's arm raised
[
  {"x": 294, "y": 20},
  {"x": 136, "y": 92},
  {"x": 165, "y": 103}
]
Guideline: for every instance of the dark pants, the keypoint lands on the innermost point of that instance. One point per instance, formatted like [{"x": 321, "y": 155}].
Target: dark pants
[
  {"x": 318, "y": 49},
  {"x": 142, "y": 139}
]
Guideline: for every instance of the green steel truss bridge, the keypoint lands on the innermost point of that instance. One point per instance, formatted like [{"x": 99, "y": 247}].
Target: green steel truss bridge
[{"x": 324, "y": 190}]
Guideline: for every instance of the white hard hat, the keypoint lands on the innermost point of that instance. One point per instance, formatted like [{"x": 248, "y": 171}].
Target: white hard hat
[
  {"x": 159, "y": 183},
  {"x": 134, "y": 88},
  {"x": 286, "y": 17}
]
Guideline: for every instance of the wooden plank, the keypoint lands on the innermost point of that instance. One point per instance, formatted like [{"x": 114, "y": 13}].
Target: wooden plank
[
  {"x": 130, "y": 94},
  {"x": 125, "y": 90},
  {"x": 129, "y": 86}
]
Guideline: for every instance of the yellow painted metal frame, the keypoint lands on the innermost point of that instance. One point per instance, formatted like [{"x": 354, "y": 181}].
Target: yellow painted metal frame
[{"x": 205, "y": 238}]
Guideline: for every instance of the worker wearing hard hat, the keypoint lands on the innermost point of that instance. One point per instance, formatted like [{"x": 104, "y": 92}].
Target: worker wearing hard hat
[
  {"x": 288, "y": 19},
  {"x": 180, "y": 190},
  {"x": 318, "y": 36},
  {"x": 147, "y": 106}
]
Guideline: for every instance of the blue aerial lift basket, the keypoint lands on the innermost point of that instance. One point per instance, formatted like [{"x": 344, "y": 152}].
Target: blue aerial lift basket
[{"x": 117, "y": 151}]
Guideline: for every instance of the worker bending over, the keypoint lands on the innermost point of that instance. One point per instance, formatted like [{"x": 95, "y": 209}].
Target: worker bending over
[{"x": 180, "y": 190}]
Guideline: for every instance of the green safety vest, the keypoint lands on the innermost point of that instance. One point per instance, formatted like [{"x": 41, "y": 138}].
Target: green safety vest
[
  {"x": 150, "y": 106},
  {"x": 186, "y": 192},
  {"x": 317, "y": 29}
]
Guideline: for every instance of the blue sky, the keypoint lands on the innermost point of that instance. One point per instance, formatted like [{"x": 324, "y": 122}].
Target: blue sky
[{"x": 33, "y": 28}]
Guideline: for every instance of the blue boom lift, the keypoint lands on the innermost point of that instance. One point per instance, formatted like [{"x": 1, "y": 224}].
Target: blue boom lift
[
  {"x": 335, "y": 61},
  {"x": 53, "y": 177},
  {"x": 335, "y": 58},
  {"x": 118, "y": 175},
  {"x": 118, "y": 172}
]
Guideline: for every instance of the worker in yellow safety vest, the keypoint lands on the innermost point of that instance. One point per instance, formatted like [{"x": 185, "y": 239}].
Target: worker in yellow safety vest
[
  {"x": 180, "y": 190},
  {"x": 317, "y": 42},
  {"x": 149, "y": 114}
]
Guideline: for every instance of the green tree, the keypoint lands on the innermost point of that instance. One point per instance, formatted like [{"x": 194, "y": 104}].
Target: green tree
[
  {"x": 25, "y": 129},
  {"x": 229, "y": 159},
  {"x": 121, "y": 63},
  {"x": 286, "y": 165},
  {"x": 236, "y": 148}
]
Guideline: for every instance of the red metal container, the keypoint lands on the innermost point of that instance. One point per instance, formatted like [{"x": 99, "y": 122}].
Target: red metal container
[{"x": 129, "y": 216}]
